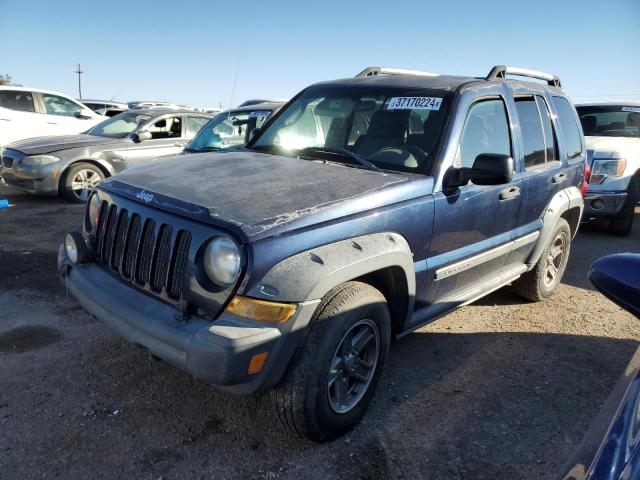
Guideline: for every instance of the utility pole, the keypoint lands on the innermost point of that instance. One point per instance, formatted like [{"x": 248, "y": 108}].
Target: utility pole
[{"x": 79, "y": 72}]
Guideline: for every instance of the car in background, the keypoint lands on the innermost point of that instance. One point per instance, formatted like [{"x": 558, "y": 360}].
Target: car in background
[
  {"x": 71, "y": 166},
  {"x": 31, "y": 112},
  {"x": 137, "y": 104},
  {"x": 98, "y": 105},
  {"x": 232, "y": 128},
  {"x": 111, "y": 112},
  {"x": 255, "y": 101},
  {"x": 610, "y": 450},
  {"x": 612, "y": 134}
]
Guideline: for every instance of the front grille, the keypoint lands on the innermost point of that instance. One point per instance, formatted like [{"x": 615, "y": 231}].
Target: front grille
[
  {"x": 141, "y": 250},
  {"x": 7, "y": 161}
]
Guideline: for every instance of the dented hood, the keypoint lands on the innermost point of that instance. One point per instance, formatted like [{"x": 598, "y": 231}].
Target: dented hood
[{"x": 261, "y": 194}]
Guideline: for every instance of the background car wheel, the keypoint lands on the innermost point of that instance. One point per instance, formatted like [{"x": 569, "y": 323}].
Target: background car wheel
[
  {"x": 622, "y": 222},
  {"x": 329, "y": 385},
  {"x": 542, "y": 281},
  {"x": 79, "y": 180}
]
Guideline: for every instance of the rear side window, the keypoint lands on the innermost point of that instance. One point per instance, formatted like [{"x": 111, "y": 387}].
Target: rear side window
[
  {"x": 532, "y": 133},
  {"x": 537, "y": 131},
  {"x": 486, "y": 130},
  {"x": 569, "y": 127},
  {"x": 17, "y": 100}
]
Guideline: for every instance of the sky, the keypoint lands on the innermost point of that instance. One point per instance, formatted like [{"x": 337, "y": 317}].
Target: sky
[{"x": 194, "y": 53}]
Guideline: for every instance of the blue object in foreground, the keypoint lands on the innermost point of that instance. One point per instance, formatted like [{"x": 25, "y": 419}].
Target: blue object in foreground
[
  {"x": 611, "y": 448},
  {"x": 4, "y": 203}
]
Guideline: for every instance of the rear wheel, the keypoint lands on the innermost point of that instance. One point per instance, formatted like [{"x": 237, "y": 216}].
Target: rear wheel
[
  {"x": 541, "y": 282},
  {"x": 622, "y": 223},
  {"x": 330, "y": 384},
  {"x": 79, "y": 180}
]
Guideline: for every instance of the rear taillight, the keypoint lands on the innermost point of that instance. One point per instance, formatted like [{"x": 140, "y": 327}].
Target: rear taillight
[{"x": 584, "y": 186}]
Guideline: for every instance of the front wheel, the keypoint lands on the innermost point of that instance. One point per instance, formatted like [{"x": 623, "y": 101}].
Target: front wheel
[
  {"x": 79, "y": 180},
  {"x": 541, "y": 282},
  {"x": 331, "y": 381}
]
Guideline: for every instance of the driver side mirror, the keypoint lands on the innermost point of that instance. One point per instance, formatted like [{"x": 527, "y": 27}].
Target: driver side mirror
[
  {"x": 254, "y": 131},
  {"x": 488, "y": 169},
  {"x": 81, "y": 115},
  {"x": 140, "y": 136}
]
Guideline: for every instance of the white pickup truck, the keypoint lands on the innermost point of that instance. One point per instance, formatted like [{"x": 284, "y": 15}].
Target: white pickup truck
[{"x": 612, "y": 134}]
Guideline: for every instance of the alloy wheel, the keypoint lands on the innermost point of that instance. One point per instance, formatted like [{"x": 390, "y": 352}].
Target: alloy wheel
[
  {"x": 353, "y": 366},
  {"x": 83, "y": 182}
]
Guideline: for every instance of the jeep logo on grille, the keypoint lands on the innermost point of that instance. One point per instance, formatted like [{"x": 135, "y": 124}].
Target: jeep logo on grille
[{"x": 145, "y": 196}]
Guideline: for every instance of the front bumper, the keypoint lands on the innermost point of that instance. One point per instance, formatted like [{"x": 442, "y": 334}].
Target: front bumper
[
  {"x": 217, "y": 351},
  {"x": 603, "y": 203},
  {"x": 41, "y": 180}
]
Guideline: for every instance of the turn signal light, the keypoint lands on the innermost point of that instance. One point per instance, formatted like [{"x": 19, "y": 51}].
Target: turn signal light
[
  {"x": 260, "y": 310},
  {"x": 257, "y": 362}
]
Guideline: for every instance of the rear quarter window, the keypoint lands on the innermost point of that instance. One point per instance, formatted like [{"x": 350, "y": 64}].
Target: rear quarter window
[{"x": 571, "y": 132}]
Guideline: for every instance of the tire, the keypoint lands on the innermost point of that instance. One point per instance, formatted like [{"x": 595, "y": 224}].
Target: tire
[
  {"x": 622, "y": 222},
  {"x": 307, "y": 400},
  {"x": 79, "y": 180},
  {"x": 541, "y": 282}
]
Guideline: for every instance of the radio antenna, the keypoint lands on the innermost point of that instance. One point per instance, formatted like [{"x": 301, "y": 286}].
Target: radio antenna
[{"x": 235, "y": 80}]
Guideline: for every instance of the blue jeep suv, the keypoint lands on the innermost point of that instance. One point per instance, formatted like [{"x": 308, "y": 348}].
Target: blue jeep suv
[{"x": 364, "y": 209}]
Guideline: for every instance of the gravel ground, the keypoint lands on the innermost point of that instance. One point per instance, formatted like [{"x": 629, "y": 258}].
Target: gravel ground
[{"x": 499, "y": 389}]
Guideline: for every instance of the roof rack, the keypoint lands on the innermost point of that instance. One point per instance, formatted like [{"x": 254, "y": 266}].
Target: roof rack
[
  {"x": 372, "y": 71},
  {"x": 501, "y": 71}
]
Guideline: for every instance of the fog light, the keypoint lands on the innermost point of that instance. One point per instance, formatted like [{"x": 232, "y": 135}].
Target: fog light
[
  {"x": 75, "y": 247},
  {"x": 597, "y": 204}
]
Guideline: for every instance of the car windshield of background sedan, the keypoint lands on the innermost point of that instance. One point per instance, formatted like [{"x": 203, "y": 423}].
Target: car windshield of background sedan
[
  {"x": 227, "y": 130},
  {"x": 372, "y": 128},
  {"x": 119, "y": 126},
  {"x": 610, "y": 120}
]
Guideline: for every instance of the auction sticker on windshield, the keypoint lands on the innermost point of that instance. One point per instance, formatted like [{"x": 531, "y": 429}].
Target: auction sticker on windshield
[
  {"x": 414, "y": 103},
  {"x": 261, "y": 113}
]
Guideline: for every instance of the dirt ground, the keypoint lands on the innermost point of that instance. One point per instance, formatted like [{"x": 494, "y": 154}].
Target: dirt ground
[{"x": 499, "y": 389}]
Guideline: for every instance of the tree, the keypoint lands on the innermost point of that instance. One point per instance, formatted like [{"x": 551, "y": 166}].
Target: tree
[{"x": 6, "y": 80}]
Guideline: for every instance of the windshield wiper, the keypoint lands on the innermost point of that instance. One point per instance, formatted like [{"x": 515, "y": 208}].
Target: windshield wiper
[
  {"x": 346, "y": 153},
  {"x": 200, "y": 150}
]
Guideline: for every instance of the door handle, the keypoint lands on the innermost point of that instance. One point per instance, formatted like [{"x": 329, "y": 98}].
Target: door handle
[
  {"x": 179, "y": 144},
  {"x": 6, "y": 119},
  {"x": 52, "y": 123},
  {"x": 558, "y": 178},
  {"x": 509, "y": 193}
]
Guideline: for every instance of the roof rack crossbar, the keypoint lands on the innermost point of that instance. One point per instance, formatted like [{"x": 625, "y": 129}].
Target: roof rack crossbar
[
  {"x": 500, "y": 72},
  {"x": 371, "y": 71}
]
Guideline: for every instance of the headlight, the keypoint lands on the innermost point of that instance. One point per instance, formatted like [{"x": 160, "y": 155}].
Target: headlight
[
  {"x": 222, "y": 260},
  {"x": 601, "y": 169},
  {"x": 75, "y": 247},
  {"x": 93, "y": 212},
  {"x": 38, "y": 160}
]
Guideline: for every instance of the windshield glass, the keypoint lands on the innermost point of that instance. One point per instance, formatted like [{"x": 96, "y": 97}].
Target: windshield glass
[
  {"x": 227, "y": 130},
  {"x": 119, "y": 126},
  {"x": 610, "y": 120},
  {"x": 390, "y": 128}
]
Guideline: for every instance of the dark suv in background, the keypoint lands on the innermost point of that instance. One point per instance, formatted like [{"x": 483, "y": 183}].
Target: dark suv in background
[{"x": 364, "y": 209}]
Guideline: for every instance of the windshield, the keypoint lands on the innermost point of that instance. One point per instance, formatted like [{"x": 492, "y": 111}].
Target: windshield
[
  {"x": 390, "y": 128},
  {"x": 227, "y": 130},
  {"x": 119, "y": 126},
  {"x": 610, "y": 120}
]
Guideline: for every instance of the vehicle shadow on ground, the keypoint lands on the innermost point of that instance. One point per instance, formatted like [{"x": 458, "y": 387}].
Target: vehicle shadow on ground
[{"x": 483, "y": 405}]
